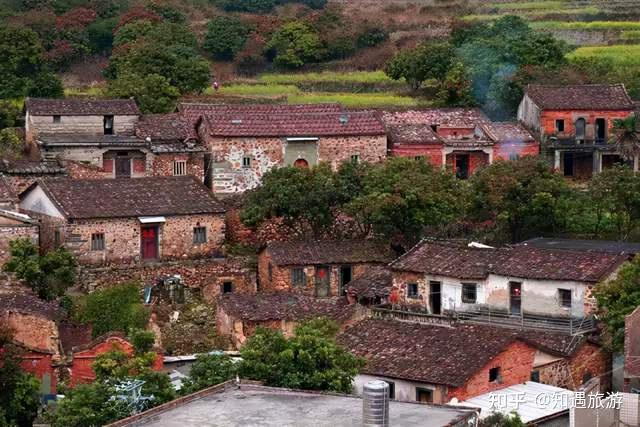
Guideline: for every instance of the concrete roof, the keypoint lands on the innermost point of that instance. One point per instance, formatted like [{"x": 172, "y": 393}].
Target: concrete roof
[{"x": 252, "y": 405}]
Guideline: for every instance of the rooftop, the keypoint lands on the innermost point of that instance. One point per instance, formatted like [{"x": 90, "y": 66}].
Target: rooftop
[
  {"x": 28, "y": 303},
  {"x": 507, "y": 132},
  {"x": 436, "y": 116},
  {"x": 75, "y": 139},
  {"x": 412, "y": 134},
  {"x": 610, "y": 246},
  {"x": 310, "y": 252},
  {"x": 194, "y": 110},
  {"x": 166, "y": 127},
  {"x": 81, "y": 107},
  {"x": 580, "y": 97},
  {"x": 36, "y": 167},
  {"x": 129, "y": 197},
  {"x": 376, "y": 282},
  {"x": 7, "y": 195},
  {"x": 253, "y": 405}
]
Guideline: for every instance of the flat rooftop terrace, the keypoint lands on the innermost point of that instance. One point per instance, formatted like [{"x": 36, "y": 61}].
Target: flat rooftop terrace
[{"x": 252, "y": 405}]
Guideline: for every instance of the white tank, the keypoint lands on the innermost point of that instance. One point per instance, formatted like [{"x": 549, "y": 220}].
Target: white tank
[{"x": 375, "y": 404}]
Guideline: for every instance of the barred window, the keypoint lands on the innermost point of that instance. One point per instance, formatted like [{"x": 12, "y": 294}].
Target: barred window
[
  {"x": 199, "y": 235},
  {"x": 97, "y": 242},
  {"x": 565, "y": 297},
  {"x": 355, "y": 158},
  {"x": 418, "y": 158},
  {"x": 469, "y": 293},
  {"x": 297, "y": 276},
  {"x": 246, "y": 162},
  {"x": 179, "y": 167},
  {"x": 412, "y": 290}
]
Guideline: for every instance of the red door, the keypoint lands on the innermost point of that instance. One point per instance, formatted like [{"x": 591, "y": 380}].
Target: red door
[{"x": 149, "y": 242}]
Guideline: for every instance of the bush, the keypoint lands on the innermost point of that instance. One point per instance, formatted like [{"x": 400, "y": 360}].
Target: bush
[
  {"x": 252, "y": 6},
  {"x": 153, "y": 93},
  {"x": 372, "y": 36},
  {"x": 209, "y": 370},
  {"x": 225, "y": 37},
  {"x": 142, "y": 340},
  {"x": 294, "y": 45}
]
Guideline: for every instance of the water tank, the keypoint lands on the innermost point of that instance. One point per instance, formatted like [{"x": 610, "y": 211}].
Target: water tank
[{"x": 375, "y": 404}]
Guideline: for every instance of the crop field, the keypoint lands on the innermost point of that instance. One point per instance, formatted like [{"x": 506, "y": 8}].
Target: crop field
[
  {"x": 619, "y": 55},
  {"x": 586, "y": 26},
  {"x": 327, "y": 76}
]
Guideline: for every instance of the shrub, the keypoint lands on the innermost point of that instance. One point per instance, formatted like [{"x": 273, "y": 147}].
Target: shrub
[
  {"x": 153, "y": 93},
  {"x": 372, "y": 36},
  {"x": 225, "y": 37},
  {"x": 209, "y": 370},
  {"x": 294, "y": 45}
]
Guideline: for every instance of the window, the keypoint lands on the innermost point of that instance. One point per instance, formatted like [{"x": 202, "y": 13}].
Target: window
[
  {"x": 424, "y": 395},
  {"x": 412, "y": 290},
  {"x": 418, "y": 158},
  {"x": 180, "y": 167},
  {"x": 392, "y": 389},
  {"x": 535, "y": 376},
  {"x": 108, "y": 125},
  {"x": 56, "y": 238},
  {"x": 297, "y": 276},
  {"x": 97, "y": 242},
  {"x": 345, "y": 278},
  {"x": 199, "y": 235},
  {"x": 514, "y": 156},
  {"x": 355, "y": 158},
  {"x": 227, "y": 287},
  {"x": 494, "y": 375},
  {"x": 246, "y": 162},
  {"x": 469, "y": 293},
  {"x": 57, "y": 119},
  {"x": 564, "y": 295},
  {"x": 581, "y": 125},
  {"x": 559, "y": 125},
  {"x": 270, "y": 271}
]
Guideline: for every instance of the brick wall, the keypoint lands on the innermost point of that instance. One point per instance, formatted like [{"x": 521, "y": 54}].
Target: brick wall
[
  {"x": 79, "y": 170},
  {"x": 506, "y": 150},
  {"x": 431, "y": 152},
  {"x": 163, "y": 164},
  {"x": 548, "y": 120},
  {"x": 10, "y": 232},
  {"x": 477, "y": 159},
  {"x": 41, "y": 366},
  {"x": 589, "y": 361},
  {"x": 20, "y": 182},
  {"x": 34, "y": 332},
  {"x": 336, "y": 150},
  {"x": 402, "y": 278},
  {"x": 515, "y": 364}
]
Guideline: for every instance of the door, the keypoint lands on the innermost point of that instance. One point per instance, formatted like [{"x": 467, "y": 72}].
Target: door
[
  {"x": 567, "y": 164},
  {"x": 301, "y": 163},
  {"x": 123, "y": 167},
  {"x": 149, "y": 242},
  {"x": 515, "y": 298},
  {"x": 601, "y": 130},
  {"x": 581, "y": 126},
  {"x": 462, "y": 166},
  {"x": 435, "y": 297},
  {"x": 424, "y": 395},
  {"x": 345, "y": 278},
  {"x": 322, "y": 281}
]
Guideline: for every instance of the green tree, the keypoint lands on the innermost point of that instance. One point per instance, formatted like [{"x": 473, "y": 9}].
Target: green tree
[
  {"x": 9, "y": 113},
  {"x": 10, "y": 143},
  {"x": 49, "y": 275},
  {"x": 456, "y": 89},
  {"x": 117, "y": 308},
  {"x": 523, "y": 198},
  {"x": 142, "y": 340},
  {"x": 226, "y": 36},
  {"x": 626, "y": 136},
  {"x": 152, "y": 92},
  {"x": 45, "y": 84},
  {"x": 251, "y": 6},
  {"x": 617, "y": 298},
  {"x": 498, "y": 419},
  {"x": 427, "y": 61},
  {"x": 294, "y": 45},
  {"x": 209, "y": 370},
  {"x": 310, "y": 360}
]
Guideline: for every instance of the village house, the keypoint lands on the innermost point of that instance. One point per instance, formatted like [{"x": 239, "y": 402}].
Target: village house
[
  {"x": 574, "y": 123},
  {"x": 436, "y": 363},
  {"x": 245, "y": 141},
  {"x": 458, "y": 139},
  {"x": 239, "y": 315},
  {"x": 13, "y": 224},
  {"x": 21, "y": 173},
  {"x": 127, "y": 220},
  {"x": 515, "y": 281},
  {"x": 632, "y": 351},
  {"x": 373, "y": 287},
  {"x": 318, "y": 268}
]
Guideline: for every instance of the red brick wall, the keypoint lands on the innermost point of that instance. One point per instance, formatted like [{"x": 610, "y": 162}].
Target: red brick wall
[
  {"x": 477, "y": 159},
  {"x": 431, "y": 152},
  {"x": 79, "y": 170},
  {"x": 548, "y": 119},
  {"x": 515, "y": 364},
  {"x": 40, "y": 364},
  {"x": 588, "y": 362}
]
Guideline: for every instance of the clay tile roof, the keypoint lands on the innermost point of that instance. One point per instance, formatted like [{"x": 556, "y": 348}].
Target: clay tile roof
[
  {"x": 412, "y": 134},
  {"x": 81, "y": 107},
  {"x": 447, "y": 259},
  {"x": 507, "y": 132},
  {"x": 294, "y": 124},
  {"x": 556, "y": 264},
  {"x": 580, "y": 97},
  {"x": 329, "y": 252},
  {"x": 129, "y": 197},
  {"x": 166, "y": 127},
  {"x": 6, "y": 192},
  {"x": 73, "y": 335},
  {"x": 551, "y": 342},
  {"x": 28, "y": 303},
  {"x": 192, "y": 110},
  {"x": 425, "y": 353},
  {"x": 284, "y": 306},
  {"x": 37, "y": 167},
  {"x": 436, "y": 116},
  {"x": 376, "y": 282}
]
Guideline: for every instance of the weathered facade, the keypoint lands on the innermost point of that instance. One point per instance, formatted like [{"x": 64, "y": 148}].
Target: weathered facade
[
  {"x": 13, "y": 226},
  {"x": 125, "y": 221},
  {"x": 632, "y": 350},
  {"x": 575, "y": 124},
  {"x": 318, "y": 268}
]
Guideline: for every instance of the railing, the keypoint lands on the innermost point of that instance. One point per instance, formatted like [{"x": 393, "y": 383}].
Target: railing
[{"x": 411, "y": 316}]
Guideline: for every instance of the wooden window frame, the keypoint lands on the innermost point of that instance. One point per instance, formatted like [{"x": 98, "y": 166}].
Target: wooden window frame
[
  {"x": 467, "y": 286},
  {"x": 412, "y": 295},
  {"x": 294, "y": 272},
  {"x": 561, "y": 297},
  {"x": 179, "y": 167},
  {"x": 199, "y": 235},
  {"x": 98, "y": 242}
]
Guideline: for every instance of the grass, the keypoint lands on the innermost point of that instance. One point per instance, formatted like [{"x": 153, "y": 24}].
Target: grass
[
  {"x": 255, "y": 89},
  {"x": 327, "y": 76},
  {"x": 533, "y": 13},
  {"x": 546, "y": 5},
  {"x": 631, "y": 35},
  {"x": 358, "y": 100},
  {"x": 587, "y": 26},
  {"x": 95, "y": 91},
  {"x": 619, "y": 55}
]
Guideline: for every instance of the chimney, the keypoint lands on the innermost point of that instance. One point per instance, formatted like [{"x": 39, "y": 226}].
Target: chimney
[{"x": 375, "y": 404}]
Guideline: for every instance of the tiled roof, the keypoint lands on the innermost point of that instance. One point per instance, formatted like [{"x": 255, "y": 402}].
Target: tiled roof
[
  {"x": 28, "y": 303},
  {"x": 81, "y": 107},
  {"x": 73, "y": 335},
  {"x": 507, "y": 132},
  {"x": 425, "y": 353},
  {"x": 580, "y": 97},
  {"x": 294, "y": 124},
  {"x": 412, "y": 134},
  {"x": 284, "y": 306},
  {"x": 436, "y": 116},
  {"x": 329, "y": 252},
  {"x": 6, "y": 192},
  {"x": 373, "y": 283},
  {"x": 584, "y": 245},
  {"x": 13, "y": 167},
  {"x": 166, "y": 127},
  {"x": 129, "y": 197},
  {"x": 195, "y": 110},
  {"x": 520, "y": 261},
  {"x": 76, "y": 139}
]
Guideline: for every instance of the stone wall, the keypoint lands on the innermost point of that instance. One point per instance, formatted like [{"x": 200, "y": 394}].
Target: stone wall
[
  {"x": 163, "y": 164},
  {"x": 589, "y": 361},
  {"x": 34, "y": 332},
  {"x": 337, "y": 150},
  {"x": 17, "y": 230},
  {"x": 81, "y": 170},
  {"x": 122, "y": 125}
]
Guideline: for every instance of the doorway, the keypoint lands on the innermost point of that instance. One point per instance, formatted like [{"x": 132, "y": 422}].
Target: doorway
[
  {"x": 345, "y": 278},
  {"x": 322, "y": 281},
  {"x": 601, "y": 130},
  {"x": 515, "y": 298},
  {"x": 435, "y": 297},
  {"x": 462, "y": 166},
  {"x": 581, "y": 127},
  {"x": 149, "y": 242},
  {"x": 123, "y": 165},
  {"x": 567, "y": 164},
  {"x": 301, "y": 164}
]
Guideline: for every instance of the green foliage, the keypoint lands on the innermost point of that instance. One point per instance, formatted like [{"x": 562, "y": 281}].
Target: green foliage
[
  {"x": 456, "y": 89},
  {"x": 152, "y": 92},
  {"x": 252, "y": 6},
  {"x": 100, "y": 35},
  {"x": 10, "y": 143},
  {"x": 372, "y": 35},
  {"x": 49, "y": 275},
  {"x": 117, "y": 308},
  {"x": 168, "y": 12},
  {"x": 498, "y": 419},
  {"x": 9, "y": 113},
  {"x": 142, "y": 340},
  {"x": 209, "y": 370},
  {"x": 88, "y": 405},
  {"x": 524, "y": 198},
  {"x": 45, "y": 84},
  {"x": 226, "y": 35},
  {"x": 310, "y": 360},
  {"x": 427, "y": 61},
  {"x": 618, "y": 298},
  {"x": 294, "y": 45}
]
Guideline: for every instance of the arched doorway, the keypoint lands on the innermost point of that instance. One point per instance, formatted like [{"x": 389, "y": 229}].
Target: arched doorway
[{"x": 301, "y": 163}]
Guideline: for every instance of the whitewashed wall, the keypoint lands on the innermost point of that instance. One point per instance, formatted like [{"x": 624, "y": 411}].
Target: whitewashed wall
[
  {"x": 405, "y": 391},
  {"x": 37, "y": 201}
]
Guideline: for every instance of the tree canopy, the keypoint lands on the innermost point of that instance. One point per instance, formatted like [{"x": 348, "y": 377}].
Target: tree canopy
[{"x": 226, "y": 36}]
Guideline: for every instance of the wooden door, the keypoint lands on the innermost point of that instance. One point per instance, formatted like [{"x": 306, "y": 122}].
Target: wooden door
[
  {"x": 149, "y": 242},
  {"x": 322, "y": 281},
  {"x": 123, "y": 167},
  {"x": 515, "y": 298},
  {"x": 435, "y": 297}
]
